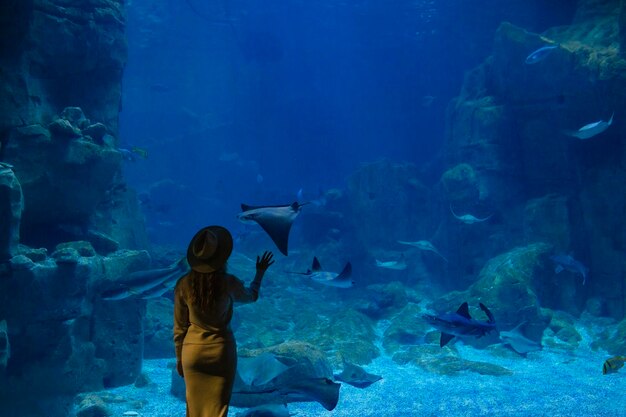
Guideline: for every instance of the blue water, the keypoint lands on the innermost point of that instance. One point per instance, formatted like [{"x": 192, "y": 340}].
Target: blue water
[{"x": 294, "y": 94}]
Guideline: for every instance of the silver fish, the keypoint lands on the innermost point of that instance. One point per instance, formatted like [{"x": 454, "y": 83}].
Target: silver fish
[
  {"x": 567, "y": 262},
  {"x": 540, "y": 54},
  {"x": 591, "y": 129},
  {"x": 518, "y": 342}
]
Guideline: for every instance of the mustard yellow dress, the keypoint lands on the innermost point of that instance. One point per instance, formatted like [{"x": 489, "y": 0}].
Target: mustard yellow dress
[{"x": 206, "y": 347}]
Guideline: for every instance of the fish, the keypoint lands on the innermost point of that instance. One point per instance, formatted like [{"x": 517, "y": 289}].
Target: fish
[
  {"x": 518, "y": 342},
  {"x": 567, "y": 262},
  {"x": 591, "y": 129},
  {"x": 266, "y": 410},
  {"x": 423, "y": 245},
  {"x": 259, "y": 370},
  {"x": 540, "y": 54},
  {"x": 140, "y": 284},
  {"x": 399, "y": 265},
  {"x": 288, "y": 389},
  {"x": 275, "y": 220},
  {"x": 142, "y": 152},
  {"x": 612, "y": 365},
  {"x": 468, "y": 218},
  {"x": 356, "y": 376},
  {"x": 5, "y": 346},
  {"x": 461, "y": 324},
  {"x": 331, "y": 279}
]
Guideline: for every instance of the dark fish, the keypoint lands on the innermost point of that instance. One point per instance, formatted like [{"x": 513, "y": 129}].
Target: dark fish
[
  {"x": 567, "y": 262},
  {"x": 612, "y": 365},
  {"x": 330, "y": 279},
  {"x": 461, "y": 324},
  {"x": 540, "y": 54},
  {"x": 275, "y": 220}
]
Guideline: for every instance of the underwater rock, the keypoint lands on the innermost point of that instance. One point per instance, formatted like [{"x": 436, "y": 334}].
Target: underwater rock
[
  {"x": 383, "y": 299},
  {"x": 461, "y": 184},
  {"x": 92, "y": 406},
  {"x": 562, "y": 331},
  {"x": 506, "y": 285},
  {"x": 96, "y": 131},
  {"x": 21, "y": 262},
  {"x": 547, "y": 219},
  {"x": 35, "y": 255},
  {"x": 83, "y": 248},
  {"x": 66, "y": 255},
  {"x": 11, "y": 207},
  {"x": 158, "y": 341},
  {"x": 62, "y": 128},
  {"x": 102, "y": 243},
  {"x": 75, "y": 116},
  {"x": 390, "y": 198},
  {"x": 406, "y": 329}
]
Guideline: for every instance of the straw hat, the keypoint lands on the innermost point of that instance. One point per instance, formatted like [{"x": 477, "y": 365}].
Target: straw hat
[{"x": 209, "y": 249}]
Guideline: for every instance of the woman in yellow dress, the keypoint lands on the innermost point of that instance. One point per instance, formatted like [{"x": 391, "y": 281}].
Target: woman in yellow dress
[{"x": 206, "y": 352}]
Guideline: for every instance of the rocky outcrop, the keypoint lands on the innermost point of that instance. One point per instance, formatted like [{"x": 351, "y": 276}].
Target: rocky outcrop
[
  {"x": 511, "y": 130},
  {"x": 11, "y": 206}
]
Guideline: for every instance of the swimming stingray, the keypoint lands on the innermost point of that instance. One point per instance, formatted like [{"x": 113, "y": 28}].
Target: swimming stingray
[
  {"x": 518, "y": 342},
  {"x": 423, "y": 245},
  {"x": 147, "y": 283},
  {"x": 399, "y": 265},
  {"x": 356, "y": 376},
  {"x": 260, "y": 370},
  {"x": 275, "y": 220},
  {"x": 469, "y": 218},
  {"x": 331, "y": 279},
  {"x": 287, "y": 388},
  {"x": 591, "y": 129}
]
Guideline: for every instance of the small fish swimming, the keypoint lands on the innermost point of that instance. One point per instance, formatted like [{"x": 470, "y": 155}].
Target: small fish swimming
[
  {"x": 399, "y": 265},
  {"x": 567, "y": 262},
  {"x": 612, "y": 365},
  {"x": 275, "y": 220},
  {"x": 540, "y": 54},
  {"x": 461, "y": 323},
  {"x": 518, "y": 342},
  {"x": 469, "y": 218},
  {"x": 330, "y": 279},
  {"x": 591, "y": 129},
  {"x": 423, "y": 245}
]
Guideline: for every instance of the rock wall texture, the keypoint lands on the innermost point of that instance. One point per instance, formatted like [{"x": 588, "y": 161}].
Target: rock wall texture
[
  {"x": 512, "y": 126},
  {"x": 71, "y": 220}
]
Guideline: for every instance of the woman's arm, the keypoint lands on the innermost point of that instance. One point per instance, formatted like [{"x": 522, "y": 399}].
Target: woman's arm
[{"x": 242, "y": 294}]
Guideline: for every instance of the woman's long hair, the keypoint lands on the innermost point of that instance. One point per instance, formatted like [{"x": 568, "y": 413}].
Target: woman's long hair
[{"x": 205, "y": 288}]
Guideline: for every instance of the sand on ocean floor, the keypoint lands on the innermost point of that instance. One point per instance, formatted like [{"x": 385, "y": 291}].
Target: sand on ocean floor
[{"x": 547, "y": 383}]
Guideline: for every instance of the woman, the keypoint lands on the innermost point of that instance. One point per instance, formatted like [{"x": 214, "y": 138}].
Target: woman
[{"x": 206, "y": 352}]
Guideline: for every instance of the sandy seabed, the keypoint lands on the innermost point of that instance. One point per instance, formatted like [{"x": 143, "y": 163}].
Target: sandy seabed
[{"x": 547, "y": 383}]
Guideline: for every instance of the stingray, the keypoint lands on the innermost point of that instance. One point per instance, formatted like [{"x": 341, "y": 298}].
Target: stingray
[
  {"x": 356, "y": 376},
  {"x": 470, "y": 218},
  {"x": 330, "y": 279},
  {"x": 518, "y": 342},
  {"x": 275, "y": 220},
  {"x": 260, "y": 370}
]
